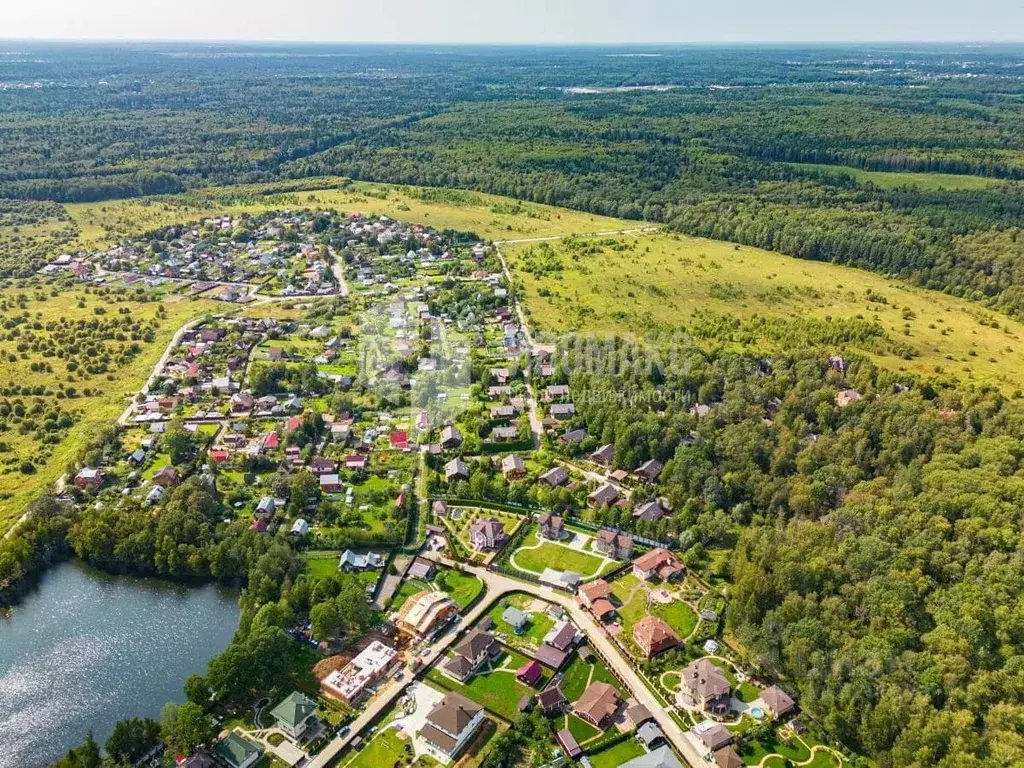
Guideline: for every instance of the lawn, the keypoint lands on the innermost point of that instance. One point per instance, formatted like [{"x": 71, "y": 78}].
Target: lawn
[
  {"x": 654, "y": 283},
  {"x": 108, "y": 393},
  {"x": 557, "y": 556},
  {"x": 678, "y": 615},
  {"x": 321, "y": 564},
  {"x": 895, "y": 179},
  {"x": 385, "y": 749},
  {"x": 490, "y": 216},
  {"x": 463, "y": 588},
  {"x": 616, "y": 755},
  {"x": 579, "y": 674},
  {"x": 580, "y": 729},
  {"x": 540, "y": 621},
  {"x": 497, "y": 690}
]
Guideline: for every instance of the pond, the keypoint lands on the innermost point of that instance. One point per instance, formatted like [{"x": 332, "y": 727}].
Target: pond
[{"x": 86, "y": 649}]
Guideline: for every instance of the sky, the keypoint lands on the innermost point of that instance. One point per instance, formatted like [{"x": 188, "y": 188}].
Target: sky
[{"x": 517, "y": 21}]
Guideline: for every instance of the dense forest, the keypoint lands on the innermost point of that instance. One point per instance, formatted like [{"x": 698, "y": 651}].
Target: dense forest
[{"x": 876, "y": 557}]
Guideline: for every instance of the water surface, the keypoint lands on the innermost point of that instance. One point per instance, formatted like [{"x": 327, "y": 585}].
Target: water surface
[{"x": 86, "y": 649}]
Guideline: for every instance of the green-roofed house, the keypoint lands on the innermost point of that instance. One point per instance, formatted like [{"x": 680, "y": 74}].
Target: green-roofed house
[
  {"x": 236, "y": 751},
  {"x": 295, "y": 714}
]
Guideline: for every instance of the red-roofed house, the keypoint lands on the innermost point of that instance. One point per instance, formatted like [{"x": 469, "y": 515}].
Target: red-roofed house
[
  {"x": 530, "y": 672},
  {"x": 400, "y": 439}
]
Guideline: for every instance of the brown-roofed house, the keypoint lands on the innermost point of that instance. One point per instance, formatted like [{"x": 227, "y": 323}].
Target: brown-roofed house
[
  {"x": 660, "y": 563},
  {"x": 603, "y": 455},
  {"x": 512, "y": 467},
  {"x": 606, "y": 495},
  {"x": 727, "y": 758},
  {"x": 717, "y": 736},
  {"x": 551, "y": 700},
  {"x": 487, "y": 533},
  {"x": 550, "y": 526},
  {"x": 616, "y": 545},
  {"x": 167, "y": 477},
  {"x": 603, "y": 610},
  {"x": 648, "y": 471},
  {"x": 777, "y": 702},
  {"x": 595, "y": 590},
  {"x": 450, "y": 725},
  {"x": 568, "y": 744},
  {"x": 555, "y": 477},
  {"x": 597, "y": 704},
  {"x": 705, "y": 686},
  {"x": 654, "y": 636}
]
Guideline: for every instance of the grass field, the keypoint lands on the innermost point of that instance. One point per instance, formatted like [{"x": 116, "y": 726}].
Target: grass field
[
  {"x": 678, "y": 615},
  {"x": 463, "y": 588},
  {"x": 108, "y": 393},
  {"x": 579, "y": 674},
  {"x": 894, "y": 179},
  {"x": 321, "y": 564},
  {"x": 386, "y": 748},
  {"x": 496, "y": 689},
  {"x": 489, "y": 216},
  {"x": 616, "y": 755},
  {"x": 550, "y": 555},
  {"x": 655, "y": 283}
]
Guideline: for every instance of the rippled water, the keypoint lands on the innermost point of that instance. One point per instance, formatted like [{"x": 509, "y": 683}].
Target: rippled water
[{"x": 86, "y": 649}]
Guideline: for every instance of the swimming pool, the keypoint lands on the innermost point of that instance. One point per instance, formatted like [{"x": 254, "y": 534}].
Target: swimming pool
[{"x": 757, "y": 712}]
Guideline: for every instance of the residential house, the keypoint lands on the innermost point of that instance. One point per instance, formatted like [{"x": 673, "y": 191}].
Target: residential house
[
  {"x": 451, "y": 438},
  {"x": 563, "y": 411},
  {"x": 299, "y": 528},
  {"x": 618, "y": 546},
  {"x": 89, "y": 479},
  {"x": 595, "y": 590},
  {"x": 705, "y": 687},
  {"x": 650, "y": 511},
  {"x": 638, "y": 714},
  {"x": 606, "y": 495},
  {"x": 512, "y": 467},
  {"x": 456, "y": 469},
  {"x": 352, "y": 561},
  {"x": 476, "y": 648},
  {"x": 166, "y": 477},
  {"x": 574, "y": 436},
  {"x": 241, "y": 402},
  {"x": 550, "y": 526},
  {"x": 515, "y": 618},
  {"x": 555, "y": 392},
  {"x": 450, "y": 725},
  {"x": 330, "y": 483},
  {"x": 662, "y": 757},
  {"x": 648, "y": 471},
  {"x": 727, "y": 758},
  {"x": 487, "y": 533},
  {"x": 555, "y": 477},
  {"x": 562, "y": 636},
  {"x": 440, "y": 508},
  {"x": 777, "y": 703},
  {"x": 296, "y": 715},
  {"x": 658, "y": 563},
  {"x": 654, "y": 636},
  {"x": 597, "y": 704},
  {"x": 551, "y": 700},
  {"x": 321, "y": 466},
  {"x": 236, "y": 751},
  {"x": 650, "y": 735},
  {"x": 716, "y": 737},
  {"x": 603, "y": 455}
]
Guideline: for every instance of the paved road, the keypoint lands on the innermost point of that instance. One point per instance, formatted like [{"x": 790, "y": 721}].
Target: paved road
[
  {"x": 338, "y": 267},
  {"x": 386, "y": 697}
]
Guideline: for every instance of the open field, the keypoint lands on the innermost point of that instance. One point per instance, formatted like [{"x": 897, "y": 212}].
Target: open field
[
  {"x": 489, "y": 216},
  {"x": 98, "y": 398},
  {"x": 654, "y": 283},
  {"x": 895, "y": 179},
  {"x": 616, "y": 755}
]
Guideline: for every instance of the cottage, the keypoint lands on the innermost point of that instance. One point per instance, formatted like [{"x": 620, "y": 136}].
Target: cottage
[
  {"x": 451, "y": 438},
  {"x": 561, "y": 636},
  {"x": 530, "y": 673},
  {"x": 603, "y": 455},
  {"x": 727, "y": 758},
  {"x": 512, "y": 467},
  {"x": 450, "y": 725},
  {"x": 618, "y": 546},
  {"x": 515, "y": 618},
  {"x": 662, "y": 757},
  {"x": 650, "y": 511},
  {"x": 568, "y": 744},
  {"x": 550, "y": 526},
  {"x": 716, "y": 737},
  {"x": 456, "y": 469},
  {"x": 705, "y": 687},
  {"x": 166, "y": 477},
  {"x": 440, "y": 508},
  {"x": 551, "y": 700},
  {"x": 555, "y": 392},
  {"x": 777, "y": 702},
  {"x": 295, "y": 715},
  {"x": 654, "y": 636},
  {"x": 241, "y": 402},
  {"x": 563, "y": 411},
  {"x": 574, "y": 436},
  {"x": 595, "y": 590},
  {"x": 487, "y": 533},
  {"x": 236, "y": 751},
  {"x": 606, "y": 495},
  {"x": 597, "y": 704},
  {"x": 555, "y": 477},
  {"x": 847, "y": 396},
  {"x": 658, "y": 563},
  {"x": 648, "y": 471},
  {"x": 470, "y": 654},
  {"x": 425, "y": 612},
  {"x": 330, "y": 483},
  {"x": 352, "y": 561},
  {"x": 89, "y": 479},
  {"x": 650, "y": 735}
]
